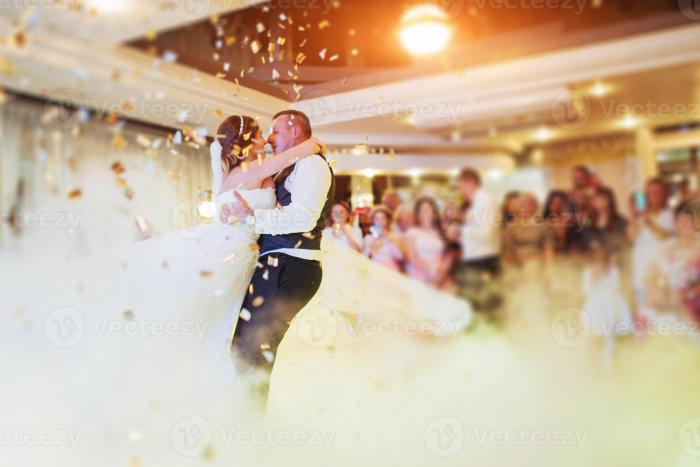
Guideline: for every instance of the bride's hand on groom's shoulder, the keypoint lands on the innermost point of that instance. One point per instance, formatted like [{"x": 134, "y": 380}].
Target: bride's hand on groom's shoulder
[{"x": 322, "y": 149}]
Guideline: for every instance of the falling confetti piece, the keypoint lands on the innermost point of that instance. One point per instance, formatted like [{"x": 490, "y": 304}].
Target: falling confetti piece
[
  {"x": 230, "y": 258},
  {"x": 254, "y": 247},
  {"x": 322, "y": 54},
  {"x": 208, "y": 452},
  {"x": 258, "y": 301},
  {"x": 134, "y": 462},
  {"x": 298, "y": 244},
  {"x": 245, "y": 315},
  {"x": 206, "y": 274},
  {"x": 128, "y": 193},
  {"x": 75, "y": 194},
  {"x": 128, "y": 315},
  {"x": 118, "y": 168},
  {"x": 269, "y": 356},
  {"x": 265, "y": 346},
  {"x": 324, "y": 24},
  {"x": 165, "y": 265},
  {"x": 119, "y": 142},
  {"x": 251, "y": 289},
  {"x": 260, "y": 28},
  {"x": 271, "y": 261},
  {"x": 255, "y": 46},
  {"x": 266, "y": 274},
  {"x": 333, "y": 58},
  {"x": 6, "y": 66},
  {"x": 275, "y": 74},
  {"x": 308, "y": 235}
]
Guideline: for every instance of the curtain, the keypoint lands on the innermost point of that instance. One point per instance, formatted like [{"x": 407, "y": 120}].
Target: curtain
[{"x": 70, "y": 176}]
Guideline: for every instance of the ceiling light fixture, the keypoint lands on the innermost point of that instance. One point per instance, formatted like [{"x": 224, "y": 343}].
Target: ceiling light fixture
[{"x": 424, "y": 30}]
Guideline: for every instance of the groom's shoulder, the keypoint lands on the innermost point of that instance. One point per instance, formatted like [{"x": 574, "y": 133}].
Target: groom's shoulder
[{"x": 315, "y": 161}]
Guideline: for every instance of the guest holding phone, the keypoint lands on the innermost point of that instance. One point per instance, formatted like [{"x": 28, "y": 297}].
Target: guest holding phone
[
  {"x": 341, "y": 228},
  {"x": 381, "y": 244}
]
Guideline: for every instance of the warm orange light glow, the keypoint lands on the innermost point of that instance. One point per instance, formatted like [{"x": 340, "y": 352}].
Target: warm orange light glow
[{"x": 424, "y": 30}]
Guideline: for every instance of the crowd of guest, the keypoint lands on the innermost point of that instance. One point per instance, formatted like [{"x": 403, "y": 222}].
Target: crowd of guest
[{"x": 465, "y": 248}]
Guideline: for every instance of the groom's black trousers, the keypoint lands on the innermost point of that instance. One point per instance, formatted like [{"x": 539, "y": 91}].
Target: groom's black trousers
[{"x": 279, "y": 290}]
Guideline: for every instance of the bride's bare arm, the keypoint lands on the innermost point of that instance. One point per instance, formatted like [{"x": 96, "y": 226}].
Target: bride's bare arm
[{"x": 275, "y": 164}]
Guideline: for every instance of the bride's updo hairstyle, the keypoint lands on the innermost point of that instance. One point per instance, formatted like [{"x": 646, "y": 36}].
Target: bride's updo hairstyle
[{"x": 235, "y": 135}]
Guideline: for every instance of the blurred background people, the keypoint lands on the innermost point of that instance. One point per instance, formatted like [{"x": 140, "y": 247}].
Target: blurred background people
[
  {"x": 480, "y": 263},
  {"x": 673, "y": 276},
  {"x": 652, "y": 223},
  {"x": 528, "y": 239},
  {"x": 341, "y": 228},
  {"x": 428, "y": 260},
  {"x": 382, "y": 244},
  {"x": 559, "y": 216}
]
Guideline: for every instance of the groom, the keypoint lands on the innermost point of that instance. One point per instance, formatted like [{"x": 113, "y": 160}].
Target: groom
[{"x": 289, "y": 270}]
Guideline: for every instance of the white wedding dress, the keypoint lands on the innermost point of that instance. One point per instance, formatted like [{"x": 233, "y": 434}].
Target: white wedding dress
[{"x": 127, "y": 348}]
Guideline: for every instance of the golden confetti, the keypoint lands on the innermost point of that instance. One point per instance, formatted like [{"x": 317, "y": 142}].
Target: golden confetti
[
  {"x": 322, "y": 54},
  {"x": 208, "y": 452},
  {"x": 152, "y": 34},
  {"x": 229, "y": 258},
  {"x": 265, "y": 346},
  {"x": 254, "y": 247},
  {"x": 300, "y": 58},
  {"x": 6, "y": 66},
  {"x": 324, "y": 24},
  {"x": 298, "y": 244},
  {"x": 266, "y": 274},
  {"x": 128, "y": 315},
  {"x": 128, "y": 193},
  {"x": 75, "y": 194},
  {"x": 258, "y": 301},
  {"x": 121, "y": 183},
  {"x": 245, "y": 315},
  {"x": 206, "y": 274},
  {"x": 134, "y": 462},
  {"x": 255, "y": 46},
  {"x": 219, "y": 113},
  {"x": 119, "y": 142},
  {"x": 260, "y": 28},
  {"x": 251, "y": 289},
  {"x": 165, "y": 265},
  {"x": 303, "y": 43},
  {"x": 281, "y": 40},
  {"x": 272, "y": 261},
  {"x": 308, "y": 235},
  {"x": 230, "y": 40}
]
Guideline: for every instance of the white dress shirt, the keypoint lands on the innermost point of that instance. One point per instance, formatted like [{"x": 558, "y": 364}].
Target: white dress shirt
[
  {"x": 480, "y": 234},
  {"x": 308, "y": 183}
]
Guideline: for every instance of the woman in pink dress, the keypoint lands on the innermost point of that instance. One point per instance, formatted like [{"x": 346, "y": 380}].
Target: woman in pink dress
[{"x": 426, "y": 246}]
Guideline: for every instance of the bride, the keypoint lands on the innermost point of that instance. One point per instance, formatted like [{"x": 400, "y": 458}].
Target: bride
[{"x": 219, "y": 257}]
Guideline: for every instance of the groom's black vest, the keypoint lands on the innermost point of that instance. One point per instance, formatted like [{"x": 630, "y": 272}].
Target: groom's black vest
[{"x": 307, "y": 240}]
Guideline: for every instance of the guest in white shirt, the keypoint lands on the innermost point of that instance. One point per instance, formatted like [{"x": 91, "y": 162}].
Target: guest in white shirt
[
  {"x": 341, "y": 228},
  {"x": 480, "y": 239}
]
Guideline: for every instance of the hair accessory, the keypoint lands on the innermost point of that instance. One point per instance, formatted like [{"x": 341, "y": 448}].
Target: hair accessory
[{"x": 240, "y": 132}]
